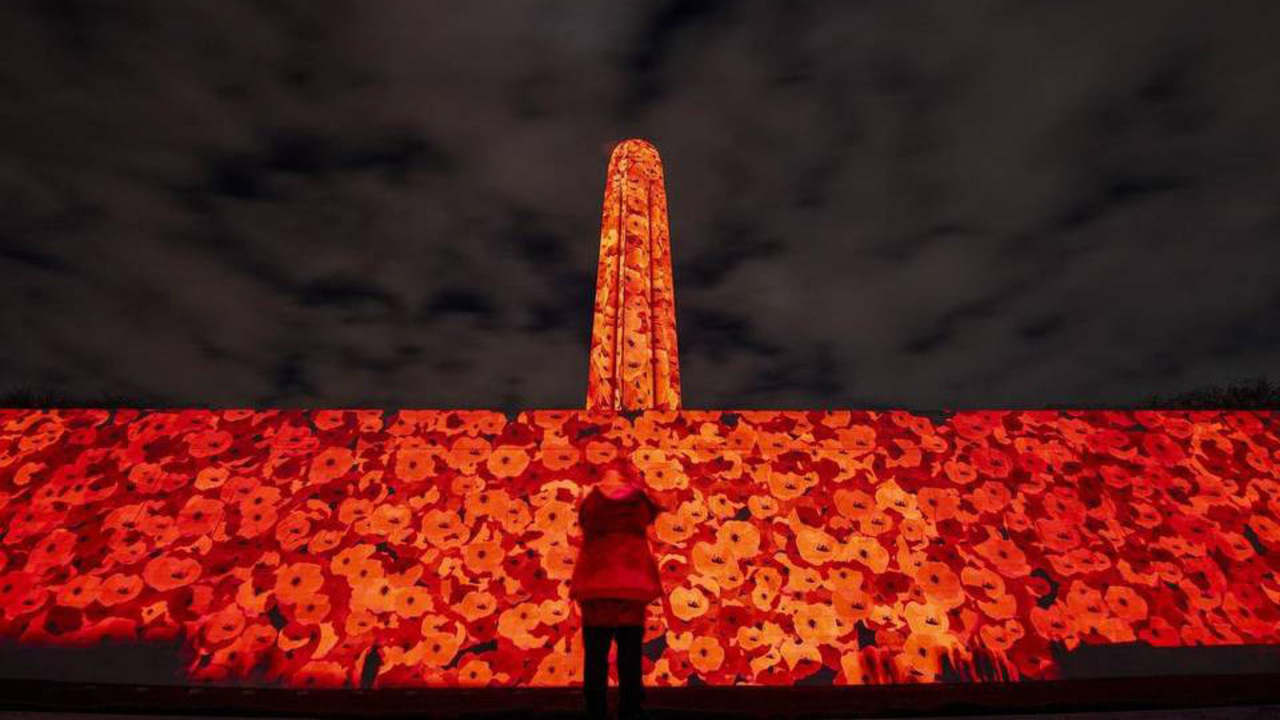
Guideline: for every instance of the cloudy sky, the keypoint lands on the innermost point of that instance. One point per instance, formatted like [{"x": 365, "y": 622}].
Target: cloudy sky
[{"x": 383, "y": 203}]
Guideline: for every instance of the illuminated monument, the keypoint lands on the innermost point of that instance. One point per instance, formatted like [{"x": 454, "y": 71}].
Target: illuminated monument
[
  {"x": 834, "y": 547},
  {"x": 635, "y": 364}
]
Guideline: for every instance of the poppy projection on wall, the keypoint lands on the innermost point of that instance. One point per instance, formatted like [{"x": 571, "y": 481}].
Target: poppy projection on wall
[{"x": 841, "y": 547}]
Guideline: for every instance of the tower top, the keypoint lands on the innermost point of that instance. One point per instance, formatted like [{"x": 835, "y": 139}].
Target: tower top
[{"x": 634, "y": 363}]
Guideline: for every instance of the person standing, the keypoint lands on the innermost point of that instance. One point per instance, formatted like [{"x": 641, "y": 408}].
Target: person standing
[{"x": 614, "y": 579}]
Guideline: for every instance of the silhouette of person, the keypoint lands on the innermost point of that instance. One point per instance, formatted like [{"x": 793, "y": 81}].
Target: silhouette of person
[{"x": 614, "y": 579}]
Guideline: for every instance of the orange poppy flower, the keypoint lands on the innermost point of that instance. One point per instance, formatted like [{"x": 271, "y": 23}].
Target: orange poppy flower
[
  {"x": 475, "y": 673},
  {"x": 706, "y": 654},
  {"x": 517, "y": 624},
  {"x": 555, "y": 517},
  {"x": 1066, "y": 565},
  {"x": 377, "y": 594},
  {"x": 507, "y": 461},
  {"x": 166, "y": 572},
  {"x": 917, "y": 531},
  {"x": 940, "y": 583},
  {"x": 443, "y": 529},
  {"x": 857, "y": 439},
  {"x": 721, "y": 506},
  {"x": 208, "y": 443},
  {"x": 79, "y": 591},
  {"x": 356, "y": 561},
  {"x": 600, "y": 452},
  {"x": 559, "y": 561},
  {"x": 742, "y": 438},
  {"x": 238, "y": 488},
  {"x": 990, "y": 497},
  {"x": 800, "y": 578},
  {"x": 748, "y": 638},
  {"x": 1058, "y": 534},
  {"x": 328, "y": 419},
  {"x": 323, "y": 541},
  {"x": 125, "y": 553},
  {"x": 483, "y": 558},
  {"x": 517, "y": 517},
  {"x": 312, "y": 610},
  {"x": 162, "y": 529},
  {"x": 816, "y": 623},
  {"x": 467, "y": 452},
  {"x": 927, "y": 618},
  {"x": 996, "y": 637},
  {"x": 762, "y": 506},
  {"x": 877, "y": 522},
  {"x": 1083, "y": 600},
  {"x": 852, "y": 604},
  {"x": 988, "y": 580},
  {"x": 740, "y": 537},
  {"x": 360, "y": 621},
  {"x": 553, "y": 612},
  {"x": 554, "y": 669},
  {"x": 814, "y": 545},
  {"x": 487, "y": 503},
  {"x": 1005, "y": 555},
  {"x": 292, "y": 532},
  {"x": 476, "y": 604},
  {"x": 921, "y": 656},
  {"x": 855, "y": 504},
  {"x": 869, "y": 552},
  {"x": 255, "y": 520},
  {"x": 673, "y": 528},
  {"x": 559, "y": 457},
  {"x": 211, "y": 477},
  {"x": 688, "y": 603},
  {"x": 226, "y": 624},
  {"x": 910, "y": 456},
  {"x": 439, "y": 648},
  {"x": 960, "y": 473},
  {"x": 763, "y": 597},
  {"x": 298, "y": 581},
  {"x": 773, "y": 444},
  {"x": 934, "y": 443},
  {"x": 389, "y": 521},
  {"x": 938, "y": 503},
  {"x": 836, "y": 418},
  {"x": 847, "y": 462},
  {"x": 1118, "y": 630},
  {"x": 1234, "y": 545},
  {"x": 415, "y": 464},
  {"x": 664, "y": 476},
  {"x": 412, "y": 601},
  {"x": 789, "y": 486},
  {"x": 54, "y": 549},
  {"x": 548, "y": 419},
  {"x": 841, "y": 578},
  {"x": 795, "y": 649},
  {"x": 767, "y": 576},
  {"x": 712, "y": 559},
  {"x": 199, "y": 516},
  {"x": 321, "y": 673},
  {"x": 330, "y": 464}
]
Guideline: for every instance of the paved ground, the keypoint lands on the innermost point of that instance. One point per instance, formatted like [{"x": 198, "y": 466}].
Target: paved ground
[{"x": 1256, "y": 712}]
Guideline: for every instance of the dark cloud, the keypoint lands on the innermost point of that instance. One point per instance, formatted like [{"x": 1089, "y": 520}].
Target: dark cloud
[{"x": 943, "y": 205}]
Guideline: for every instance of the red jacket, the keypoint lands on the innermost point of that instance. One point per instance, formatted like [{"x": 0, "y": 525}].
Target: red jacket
[{"x": 614, "y": 560}]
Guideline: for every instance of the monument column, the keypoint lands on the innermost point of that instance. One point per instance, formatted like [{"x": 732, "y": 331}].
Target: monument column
[{"x": 634, "y": 363}]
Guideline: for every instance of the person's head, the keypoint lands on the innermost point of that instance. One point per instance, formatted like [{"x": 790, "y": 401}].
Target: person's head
[{"x": 619, "y": 473}]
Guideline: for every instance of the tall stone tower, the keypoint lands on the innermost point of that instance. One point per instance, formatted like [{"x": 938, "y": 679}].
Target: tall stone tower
[{"x": 634, "y": 362}]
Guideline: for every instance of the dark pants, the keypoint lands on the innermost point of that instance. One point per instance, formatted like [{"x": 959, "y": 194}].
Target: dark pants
[{"x": 595, "y": 672}]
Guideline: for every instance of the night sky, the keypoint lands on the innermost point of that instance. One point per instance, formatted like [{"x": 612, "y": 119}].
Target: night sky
[{"x": 396, "y": 203}]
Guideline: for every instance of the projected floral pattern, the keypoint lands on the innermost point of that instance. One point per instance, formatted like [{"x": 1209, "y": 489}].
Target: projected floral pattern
[{"x": 825, "y": 546}]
